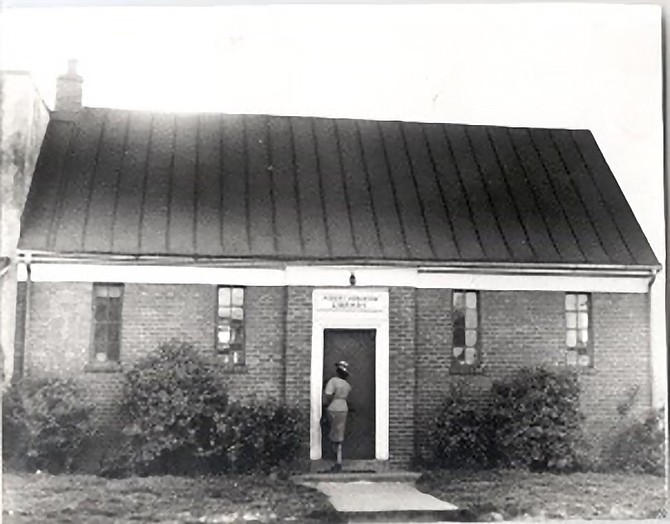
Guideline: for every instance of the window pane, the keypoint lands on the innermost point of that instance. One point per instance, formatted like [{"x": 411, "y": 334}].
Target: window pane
[
  {"x": 237, "y": 313},
  {"x": 100, "y": 334},
  {"x": 459, "y": 300},
  {"x": 114, "y": 291},
  {"x": 470, "y": 337},
  {"x": 583, "y": 336},
  {"x": 224, "y": 312},
  {"x": 470, "y": 355},
  {"x": 471, "y": 318},
  {"x": 113, "y": 332},
  {"x": 571, "y": 320},
  {"x": 238, "y": 357},
  {"x": 113, "y": 350},
  {"x": 224, "y": 334},
  {"x": 238, "y": 296},
  {"x": 458, "y": 352},
  {"x": 224, "y": 296},
  {"x": 582, "y": 302},
  {"x": 471, "y": 300},
  {"x": 571, "y": 358},
  {"x": 584, "y": 360},
  {"x": 458, "y": 319},
  {"x": 100, "y": 291},
  {"x": 459, "y": 337},
  {"x": 571, "y": 338},
  {"x": 570, "y": 302},
  {"x": 583, "y": 320},
  {"x": 101, "y": 309},
  {"x": 115, "y": 310}
]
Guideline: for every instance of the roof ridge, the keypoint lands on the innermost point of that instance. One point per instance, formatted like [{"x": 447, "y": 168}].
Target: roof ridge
[{"x": 64, "y": 114}]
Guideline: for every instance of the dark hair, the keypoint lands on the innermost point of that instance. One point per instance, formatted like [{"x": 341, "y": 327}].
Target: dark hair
[{"x": 341, "y": 373}]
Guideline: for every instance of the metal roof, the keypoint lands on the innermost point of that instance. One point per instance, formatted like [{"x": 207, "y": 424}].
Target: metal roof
[{"x": 116, "y": 182}]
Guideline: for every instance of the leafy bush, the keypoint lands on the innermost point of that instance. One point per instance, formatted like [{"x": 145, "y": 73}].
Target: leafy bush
[
  {"x": 537, "y": 421},
  {"x": 640, "y": 447},
  {"x": 460, "y": 434},
  {"x": 46, "y": 424},
  {"x": 261, "y": 435},
  {"x": 171, "y": 399}
]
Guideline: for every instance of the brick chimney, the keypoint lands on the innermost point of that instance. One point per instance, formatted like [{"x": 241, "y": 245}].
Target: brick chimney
[{"x": 68, "y": 89}]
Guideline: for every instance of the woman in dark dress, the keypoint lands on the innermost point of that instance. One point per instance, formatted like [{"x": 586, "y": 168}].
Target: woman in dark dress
[{"x": 335, "y": 398}]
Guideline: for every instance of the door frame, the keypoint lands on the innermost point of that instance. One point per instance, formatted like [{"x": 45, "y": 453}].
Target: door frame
[{"x": 377, "y": 319}]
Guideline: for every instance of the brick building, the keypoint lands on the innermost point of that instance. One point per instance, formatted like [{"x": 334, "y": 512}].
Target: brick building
[{"x": 424, "y": 254}]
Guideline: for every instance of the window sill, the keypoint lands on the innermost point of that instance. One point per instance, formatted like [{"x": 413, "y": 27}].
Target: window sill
[
  {"x": 103, "y": 367},
  {"x": 235, "y": 370},
  {"x": 466, "y": 370}
]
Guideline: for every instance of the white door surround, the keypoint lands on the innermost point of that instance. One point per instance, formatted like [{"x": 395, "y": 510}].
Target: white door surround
[{"x": 351, "y": 308}]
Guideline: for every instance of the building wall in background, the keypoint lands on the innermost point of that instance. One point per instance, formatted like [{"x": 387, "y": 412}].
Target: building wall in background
[{"x": 23, "y": 120}]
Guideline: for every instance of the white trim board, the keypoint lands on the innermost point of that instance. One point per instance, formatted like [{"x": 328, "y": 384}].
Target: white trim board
[
  {"x": 339, "y": 276},
  {"x": 377, "y": 319}
]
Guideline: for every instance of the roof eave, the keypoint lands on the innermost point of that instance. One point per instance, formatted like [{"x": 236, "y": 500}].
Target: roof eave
[{"x": 426, "y": 266}]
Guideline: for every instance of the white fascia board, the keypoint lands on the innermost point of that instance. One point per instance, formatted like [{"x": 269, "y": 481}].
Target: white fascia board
[
  {"x": 339, "y": 276},
  {"x": 578, "y": 281},
  {"x": 155, "y": 274}
]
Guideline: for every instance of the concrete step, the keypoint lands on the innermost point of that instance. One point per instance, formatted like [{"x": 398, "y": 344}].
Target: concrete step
[{"x": 357, "y": 476}]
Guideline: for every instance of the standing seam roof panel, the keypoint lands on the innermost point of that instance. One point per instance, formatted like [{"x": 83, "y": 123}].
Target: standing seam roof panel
[
  {"x": 234, "y": 206},
  {"x": 128, "y": 214},
  {"x": 575, "y": 210},
  {"x": 612, "y": 242},
  {"x": 492, "y": 239},
  {"x": 76, "y": 191},
  {"x": 501, "y": 202},
  {"x": 452, "y": 191},
  {"x": 42, "y": 201},
  {"x": 365, "y": 229},
  {"x": 105, "y": 184},
  {"x": 439, "y": 229},
  {"x": 409, "y": 204},
  {"x": 383, "y": 201},
  {"x": 281, "y": 164},
  {"x": 615, "y": 200},
  {"x": 524, "y": 200},
  {"x": 208, "y": 188},
  {"x": 553, "y": 214},
  {"x": 314, "y": 230}
]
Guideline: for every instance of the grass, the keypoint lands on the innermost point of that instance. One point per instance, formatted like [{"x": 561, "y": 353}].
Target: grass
[
  {"x": 514, "y": 494},
  {"x": 86, "y": 498},
  {"x": 535, "y": 496}
]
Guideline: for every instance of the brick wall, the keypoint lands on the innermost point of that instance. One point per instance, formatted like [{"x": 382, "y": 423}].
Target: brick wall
[
  {"x": 528, "y": 328},
  {"x": 58, "y": 339},
  {"x": 402, "y": 379},
  {"x": 517, "y": 328},
  {"x": 299, "y": 352}
]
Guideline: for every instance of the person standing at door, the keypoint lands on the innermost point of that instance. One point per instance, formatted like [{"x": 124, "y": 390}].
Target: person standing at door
[{"x": 335, "y": 398}]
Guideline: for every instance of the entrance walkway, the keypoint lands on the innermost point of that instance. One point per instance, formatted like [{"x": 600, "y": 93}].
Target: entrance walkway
[{"x": 381, "y": 498}]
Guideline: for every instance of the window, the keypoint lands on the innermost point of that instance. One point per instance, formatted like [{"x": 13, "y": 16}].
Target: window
[
  {"x": 230, "y": 325},
  {"x": 578, "y": 341},
  {"x": 465, "y": 319},
  {"x": 107, "y": 302}
]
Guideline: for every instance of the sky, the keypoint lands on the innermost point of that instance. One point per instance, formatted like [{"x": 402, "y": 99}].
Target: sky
[{"x": 591, "y": 66}]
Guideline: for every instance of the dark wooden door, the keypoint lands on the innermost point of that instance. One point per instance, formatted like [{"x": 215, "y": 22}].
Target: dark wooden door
[{"x": 357, "y": 347}]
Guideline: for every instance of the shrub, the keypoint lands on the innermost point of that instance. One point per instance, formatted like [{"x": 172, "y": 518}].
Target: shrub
[
  {"x": 537, "y": 420},
  {"x": 46, "y": 424},
  {"x": 460, "y": 434},
  {"x": 261, "y": 435},
  {"x": 640, "y": 447},
  {"x": 171, "y": 399}
]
